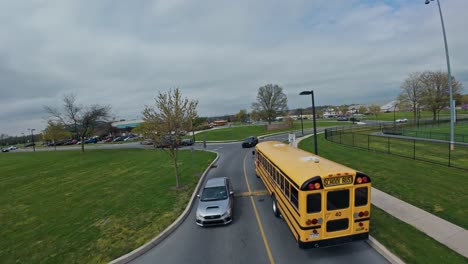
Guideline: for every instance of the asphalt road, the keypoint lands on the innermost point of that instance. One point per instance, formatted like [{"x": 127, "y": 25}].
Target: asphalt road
[{"x": 243, "y": 241}]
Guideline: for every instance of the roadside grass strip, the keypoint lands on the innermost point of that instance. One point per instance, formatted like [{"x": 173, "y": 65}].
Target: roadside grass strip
[
  {"x": 92, "y": 207},
  {"x": 410, "y": 244}
]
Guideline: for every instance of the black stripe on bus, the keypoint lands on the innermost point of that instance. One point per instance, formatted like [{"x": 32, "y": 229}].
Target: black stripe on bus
[{"x": 361, "y": 220}]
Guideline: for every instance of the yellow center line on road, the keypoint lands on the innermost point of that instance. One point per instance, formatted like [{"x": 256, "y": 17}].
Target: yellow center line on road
[
  {"x": 265, "y": 241},
  {"x": 256, "y": 193}
]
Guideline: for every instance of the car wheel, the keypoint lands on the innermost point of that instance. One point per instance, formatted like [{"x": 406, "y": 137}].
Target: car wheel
[{"x": 274, "y": 205}]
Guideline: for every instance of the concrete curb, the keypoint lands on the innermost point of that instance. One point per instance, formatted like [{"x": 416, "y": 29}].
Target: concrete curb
[
  {"x": 155, "y": 241},
  {"x": 392, "y": 258}
]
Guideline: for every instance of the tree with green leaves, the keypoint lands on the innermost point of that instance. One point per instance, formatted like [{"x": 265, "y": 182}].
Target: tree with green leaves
[
  {"x": 54, "y": 132},
  {"x": 271, "y": 101},
  {"x": 374, "y": 109},
  {"x": 242, "y": 115},
  {"x": 362, "y": 109},
  {"x": 164, "y": 122},
  {"x": 435, "y": 93}
]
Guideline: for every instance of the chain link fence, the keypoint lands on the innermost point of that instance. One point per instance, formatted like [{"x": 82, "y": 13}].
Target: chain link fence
[{"x": 373, "y": 138}]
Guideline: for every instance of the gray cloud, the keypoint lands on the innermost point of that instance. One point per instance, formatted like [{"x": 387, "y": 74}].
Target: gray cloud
[{"x": 122, "y": 53}]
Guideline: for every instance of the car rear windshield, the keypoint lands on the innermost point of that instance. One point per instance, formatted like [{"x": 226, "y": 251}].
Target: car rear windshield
[{"x": 214, "y": 194}]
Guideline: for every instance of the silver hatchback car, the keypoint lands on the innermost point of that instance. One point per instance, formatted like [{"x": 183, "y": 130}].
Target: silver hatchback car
[{"x": 216, "y": 203}]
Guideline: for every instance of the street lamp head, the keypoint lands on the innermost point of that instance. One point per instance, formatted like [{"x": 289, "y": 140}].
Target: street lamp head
[{"x": 305, "y": 93}]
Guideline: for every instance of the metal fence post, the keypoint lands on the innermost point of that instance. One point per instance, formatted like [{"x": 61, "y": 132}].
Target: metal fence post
[
  {"x": 414, "y": 149},
  {"x": 449, "y": 154},
  {"x": 368, "y": 142},
  {"x": 388, "y": 145},
  {"x": 353, "y": 139}
]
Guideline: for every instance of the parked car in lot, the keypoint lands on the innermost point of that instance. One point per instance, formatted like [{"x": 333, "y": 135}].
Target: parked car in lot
[
  {"x": 342, "y": 118},
  {"x": 91, "y": 140},
  {"x": 117, "y": 139},
  {"x": 147, "y": 142},
  {"x": 12, "y": 148},
  {"x": 5, "y": 150},
  {"x": 216, "y": 203},
  {"x": 71, "y": 142},
  {"x": 401, "y": 120},
  {"x": 249, "y": 142}
]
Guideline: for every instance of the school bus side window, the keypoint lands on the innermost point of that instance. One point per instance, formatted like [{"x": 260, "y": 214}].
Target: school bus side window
[{"x": 294, "y": 197}]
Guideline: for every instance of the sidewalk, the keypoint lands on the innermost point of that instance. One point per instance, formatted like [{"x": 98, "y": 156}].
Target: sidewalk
[{"x": 453, "y": 236}]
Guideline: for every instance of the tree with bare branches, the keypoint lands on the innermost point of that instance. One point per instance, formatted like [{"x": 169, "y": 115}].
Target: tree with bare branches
[
  {"x": 412, "y": 93},
  {"x": 81, "y": 120},
  {"x": 171, "y": 115},
  {"x": 270, "y": 101}
]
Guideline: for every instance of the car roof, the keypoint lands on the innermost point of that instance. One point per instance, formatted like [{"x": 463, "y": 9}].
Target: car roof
[{"x": 214, "y": 182}]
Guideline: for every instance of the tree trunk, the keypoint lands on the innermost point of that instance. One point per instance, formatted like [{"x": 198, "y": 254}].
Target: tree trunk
[
  {"x": 55, "y": 145},
  {"x": 434, "y": 115},
  {"x": 82, "y": 144},
  {"x": 176, "y": 168}
]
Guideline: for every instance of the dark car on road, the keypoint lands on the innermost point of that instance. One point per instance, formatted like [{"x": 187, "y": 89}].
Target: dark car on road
[
  {"x": 250, "y": 142},
  {"x": 216, "y": 203},
  {"x": 186, "y": 142}
]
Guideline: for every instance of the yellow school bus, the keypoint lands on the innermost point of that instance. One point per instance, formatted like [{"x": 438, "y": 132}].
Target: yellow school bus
[{"x": 323, "y": 203}]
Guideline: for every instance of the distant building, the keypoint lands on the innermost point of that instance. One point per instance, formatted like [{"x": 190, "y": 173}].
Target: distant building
[
  {"x": 389, "y": 107},
  {"x": 127, "y": 124}
]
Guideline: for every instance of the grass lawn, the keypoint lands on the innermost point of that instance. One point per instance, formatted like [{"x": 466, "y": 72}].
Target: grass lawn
[
  {"x": 441, "y": 132},
  {"x": 242, "y": 132},
  {"x": 70, "y": 207},
  {"x": 408, "y": 243},
  {"x": 437, "y": 189}
]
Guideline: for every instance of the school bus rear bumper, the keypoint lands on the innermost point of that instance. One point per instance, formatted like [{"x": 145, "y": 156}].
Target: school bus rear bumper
[{"x": 333, "y": 241}]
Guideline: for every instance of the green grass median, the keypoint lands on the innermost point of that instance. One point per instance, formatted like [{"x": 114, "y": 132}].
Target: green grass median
[
  {"x": 92, "y": 207},
  {"x": 242, "y": 132}
]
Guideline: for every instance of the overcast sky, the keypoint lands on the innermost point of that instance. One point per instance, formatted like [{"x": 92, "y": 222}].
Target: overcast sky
[{"x": 121, "y": 53}]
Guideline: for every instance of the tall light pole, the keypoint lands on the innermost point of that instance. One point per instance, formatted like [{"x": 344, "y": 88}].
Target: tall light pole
[
  {"x": 32, "y": 138},
  {"x": 452, "y": 111},
  {"x": 311, "y": 92},
  {"x": 24, "y": 139},
  {"x": 302, "y": 123}
]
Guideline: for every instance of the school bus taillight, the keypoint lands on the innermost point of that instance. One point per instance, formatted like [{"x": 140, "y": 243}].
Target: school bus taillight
[
  {"x": 363, "y": 179},
  {"x": 314, "y": 186},
  {"x": 362, "y": 214}
]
